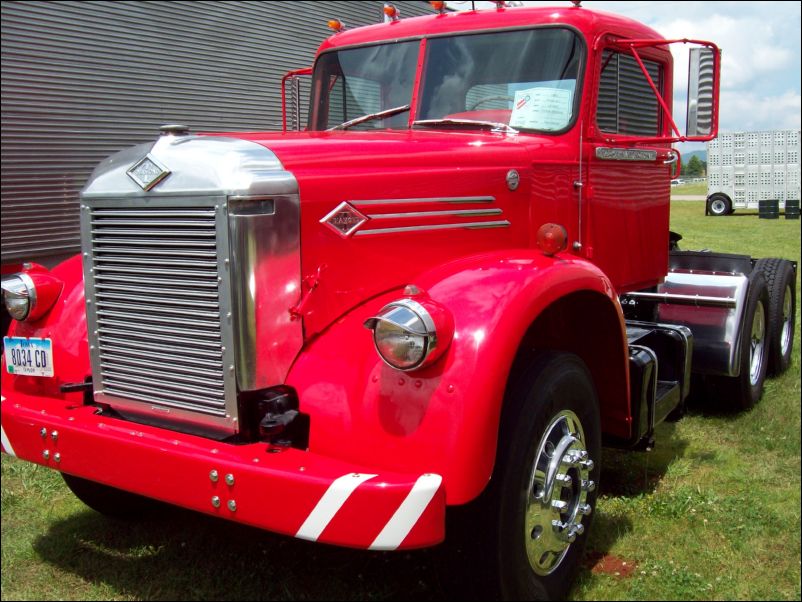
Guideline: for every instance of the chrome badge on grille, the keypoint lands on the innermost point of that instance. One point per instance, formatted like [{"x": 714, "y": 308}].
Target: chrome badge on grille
[
  {"x": 344, "y": 220},
  {"x": 147, "y": 172}
]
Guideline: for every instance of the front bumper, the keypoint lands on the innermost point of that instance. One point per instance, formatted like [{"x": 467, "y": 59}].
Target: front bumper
[{"x": 292, "y": 492}]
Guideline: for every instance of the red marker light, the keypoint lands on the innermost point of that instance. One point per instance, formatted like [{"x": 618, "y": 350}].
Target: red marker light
[{"x": 551, "y": 239}]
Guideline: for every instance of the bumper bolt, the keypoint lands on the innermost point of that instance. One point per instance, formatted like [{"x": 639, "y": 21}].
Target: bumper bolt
[
  {"x": 46, "y": 454},
  {"x": 215, "y": 501},
  {"x": 232, "y": 505},
  {"x": 213, "y": 476},
  {"x": 229, "y": 479},
  {"x": 57, "y": 457},
  {"x": 54, "y": 435},
  {"x": 43, "y": 432}
]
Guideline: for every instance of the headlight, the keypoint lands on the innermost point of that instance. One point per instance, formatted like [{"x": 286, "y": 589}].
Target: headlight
[
  {"x": 30, "y": 295},
  {"x": 19, "y": 295},
  {"x": 409, "y": 334}
]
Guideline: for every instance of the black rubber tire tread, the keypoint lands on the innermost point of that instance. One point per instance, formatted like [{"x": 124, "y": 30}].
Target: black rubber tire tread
[
  {"x": 779, "y": 274},
  {"x": 737, "y": 392},
  {"x": 550, "y": 383},
  {"x": 109, "y": 500},
  {"x": 722, "y": 197}
]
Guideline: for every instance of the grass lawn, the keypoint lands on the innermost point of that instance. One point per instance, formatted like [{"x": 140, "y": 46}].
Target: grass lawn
[
  {"x": 712, "y": 513},
  {"x": 692, "y": 188}
]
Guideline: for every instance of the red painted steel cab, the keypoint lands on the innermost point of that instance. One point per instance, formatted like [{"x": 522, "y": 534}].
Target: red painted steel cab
[{"x": 335, "y": 333}]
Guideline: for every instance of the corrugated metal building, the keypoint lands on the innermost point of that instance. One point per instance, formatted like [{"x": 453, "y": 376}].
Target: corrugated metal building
[{"x": 81, "y": 80}]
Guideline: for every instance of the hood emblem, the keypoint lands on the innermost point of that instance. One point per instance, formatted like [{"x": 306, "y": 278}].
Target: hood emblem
[
  {"x": 344, "y": 220},
  {"x": 147, "y": 172}
]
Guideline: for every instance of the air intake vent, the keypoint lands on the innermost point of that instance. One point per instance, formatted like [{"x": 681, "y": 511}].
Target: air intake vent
[{"x": 159, "y": 343}]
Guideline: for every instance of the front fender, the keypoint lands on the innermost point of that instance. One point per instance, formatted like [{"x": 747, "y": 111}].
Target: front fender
[
  {"x": 65, "y": 325},
  {"x": 444, "y": 418}
]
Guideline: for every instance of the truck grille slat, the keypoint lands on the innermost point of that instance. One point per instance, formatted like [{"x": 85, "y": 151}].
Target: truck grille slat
[
  {"x": 159, "y": 335},
  {"x": 182, "y": 294},
  {"x": 159, "y": 261},
  {"x": 141, "y": 358},
  {"x": 135, "y": 327},
  {"x": 194, "y": 303},
  {"x": 148, "y": 395},
  {"x": 176, "y": 374},
  {"x": 201, "y": 357},
  {"x": 134, "y": 332}
]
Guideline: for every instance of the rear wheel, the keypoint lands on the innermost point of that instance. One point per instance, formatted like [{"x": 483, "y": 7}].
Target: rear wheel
[
  {"x": 544, "y": 489},
  {"x": 743, "y": 391},
  {"x": 780, "y": 277},
  {"x": 109, "y": 500},
  {"x": 719, "y": 204}
]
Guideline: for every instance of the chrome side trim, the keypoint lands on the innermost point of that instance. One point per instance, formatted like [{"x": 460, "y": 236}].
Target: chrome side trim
[
  {"x": 465, "y": 225},
  {"x": 465, "y": 199},
  {"x": 625, "y": 154},
  {"x": 455, "y": 212},
  {"x": 695, "y": 300}
]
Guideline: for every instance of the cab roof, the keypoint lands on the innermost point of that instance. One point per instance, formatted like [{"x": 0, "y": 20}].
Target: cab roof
[{"x": 590, "y": 22}]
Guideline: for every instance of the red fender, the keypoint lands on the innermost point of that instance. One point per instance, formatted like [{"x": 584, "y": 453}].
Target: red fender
[
  {"x": 65, "y": 325},
  {"x": 443, "y": 418}
]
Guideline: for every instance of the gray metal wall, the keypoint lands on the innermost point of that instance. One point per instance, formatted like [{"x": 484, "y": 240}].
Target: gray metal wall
[{"x": 81, "y": 80}]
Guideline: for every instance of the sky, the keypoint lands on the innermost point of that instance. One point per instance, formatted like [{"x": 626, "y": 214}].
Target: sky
[{"x": 760, "y": 43}]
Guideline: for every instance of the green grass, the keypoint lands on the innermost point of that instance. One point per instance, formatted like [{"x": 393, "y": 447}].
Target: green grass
[{"x": 712, "y": 513}]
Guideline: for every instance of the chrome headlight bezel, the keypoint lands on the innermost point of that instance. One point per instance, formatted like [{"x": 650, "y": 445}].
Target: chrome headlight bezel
[
  {"x": 429, "y": 329},
  {"x": 19, "y": 295}
]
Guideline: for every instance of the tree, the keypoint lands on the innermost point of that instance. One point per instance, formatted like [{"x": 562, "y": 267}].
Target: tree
[{"x": 694, "y": 167}]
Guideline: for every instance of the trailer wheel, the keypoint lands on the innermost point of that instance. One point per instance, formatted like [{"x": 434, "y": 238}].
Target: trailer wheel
[
  {"x": 719, "y": 204},
  {"x": 781, "y": 281},
  {"x": 109, "y": 500},
  {"x": 544, "y": 489},
  {"x": 743, "y": 391}
]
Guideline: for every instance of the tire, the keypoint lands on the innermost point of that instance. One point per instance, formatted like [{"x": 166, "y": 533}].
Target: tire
[
  {"x": 551, "y": 411},
  {"x": 742, "y": 392},
  {"x": 781, "y": 280},
  {"x": 109, "y": 500},
  {"x": 718, "y": 205}
]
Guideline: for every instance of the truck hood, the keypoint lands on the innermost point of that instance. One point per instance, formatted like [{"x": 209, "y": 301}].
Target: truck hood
[{"x": 379, "y": 208}]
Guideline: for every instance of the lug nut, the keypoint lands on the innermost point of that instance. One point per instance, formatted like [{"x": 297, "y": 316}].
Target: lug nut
[
  {"x": 587, "y": 464},
  {"x": 564, "y": 480},
  {"x": 559, "y": 505},
  {"x": 584, "y": 509},
  {"x": 588, "y": 485}
]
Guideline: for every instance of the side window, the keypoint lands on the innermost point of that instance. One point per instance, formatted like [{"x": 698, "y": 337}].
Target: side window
[{"x": 627, "y": 104}]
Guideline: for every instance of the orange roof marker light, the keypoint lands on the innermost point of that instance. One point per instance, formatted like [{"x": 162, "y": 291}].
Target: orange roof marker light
[
  {"x": 392, "y": 12},
  {"x": 440, "y": 7},
  {"x": 500, "y": 4},
  {"x": 336, "y": 25}
]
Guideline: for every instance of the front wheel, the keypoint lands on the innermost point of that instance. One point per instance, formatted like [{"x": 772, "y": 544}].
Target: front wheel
[{"x": 544, "y": 492}]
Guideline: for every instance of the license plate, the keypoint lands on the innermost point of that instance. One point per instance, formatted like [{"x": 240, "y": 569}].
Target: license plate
[{"x": 28, "y": 357}]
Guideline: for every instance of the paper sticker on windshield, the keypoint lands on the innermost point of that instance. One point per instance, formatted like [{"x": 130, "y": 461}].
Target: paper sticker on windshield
[{"x": 541, "y": 109}]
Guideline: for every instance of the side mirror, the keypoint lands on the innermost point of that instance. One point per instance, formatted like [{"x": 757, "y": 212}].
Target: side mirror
[{"x": 702, "y": 116}]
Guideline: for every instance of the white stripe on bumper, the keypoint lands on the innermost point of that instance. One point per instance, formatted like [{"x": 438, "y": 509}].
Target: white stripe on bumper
[
  {"x": 331, "y": 502},
  {"x": 408, "y": 513}
]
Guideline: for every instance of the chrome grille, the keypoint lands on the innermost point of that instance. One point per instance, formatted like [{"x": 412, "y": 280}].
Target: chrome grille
[{"x": 155, "y": 280}]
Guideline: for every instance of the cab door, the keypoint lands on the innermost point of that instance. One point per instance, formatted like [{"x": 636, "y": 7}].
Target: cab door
[{"x": 628, "y": 197}]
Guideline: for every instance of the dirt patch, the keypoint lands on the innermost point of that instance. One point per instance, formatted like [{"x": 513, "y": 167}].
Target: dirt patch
[{"x": 608, "y": 564}]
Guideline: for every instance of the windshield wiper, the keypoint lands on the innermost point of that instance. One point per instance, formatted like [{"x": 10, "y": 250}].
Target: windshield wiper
[
  {"x": 495, "y": 126},
  {"x": 370, "y": 117}
]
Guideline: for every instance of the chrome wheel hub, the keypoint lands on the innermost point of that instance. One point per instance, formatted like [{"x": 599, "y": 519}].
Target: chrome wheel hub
[
  {"x": 557, "y": 495},
  {"x": 785, "y": 337},
  {"x": 757, "y": 341},
  {"x": 718, "y": 207}
]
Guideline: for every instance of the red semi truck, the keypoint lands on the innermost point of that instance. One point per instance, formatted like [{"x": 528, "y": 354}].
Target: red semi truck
[{"x": 455, "y": 284}]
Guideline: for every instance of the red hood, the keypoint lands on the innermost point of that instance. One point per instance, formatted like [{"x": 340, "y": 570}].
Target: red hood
[{"x": 445, "y": 186}]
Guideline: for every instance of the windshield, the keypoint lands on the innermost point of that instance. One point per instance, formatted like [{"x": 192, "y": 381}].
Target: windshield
[{"x": 524, "y": 79}]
